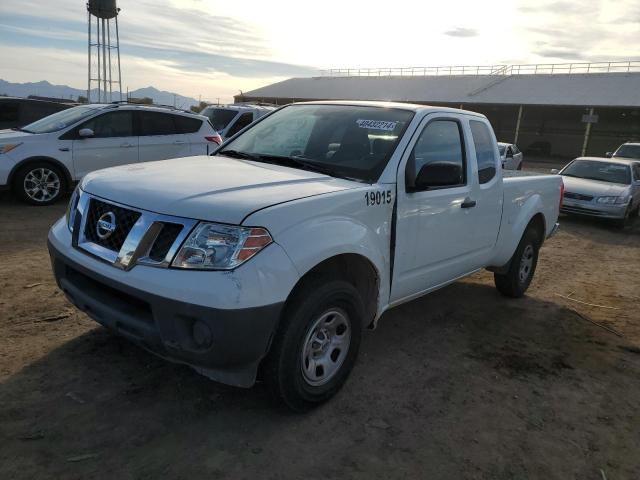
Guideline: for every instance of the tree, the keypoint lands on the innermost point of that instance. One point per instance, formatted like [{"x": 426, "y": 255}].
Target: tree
[
  {"x": 82, "y": 99},
  {"x": 198, "y": 108}
]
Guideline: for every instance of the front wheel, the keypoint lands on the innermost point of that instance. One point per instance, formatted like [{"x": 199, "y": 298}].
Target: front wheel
[
  {"x": 627, "y": 219},
  {"x": 39, "y": 183},
  {"x": 316, "y": 344},
  {"x": 515, "y": 282}
]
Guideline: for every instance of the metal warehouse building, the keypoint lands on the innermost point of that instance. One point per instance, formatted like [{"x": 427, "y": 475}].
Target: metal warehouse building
[{"x": 562, "y": 110}]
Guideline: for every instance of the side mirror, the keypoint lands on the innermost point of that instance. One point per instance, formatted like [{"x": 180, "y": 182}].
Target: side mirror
[
  {"x": 85, "y": 132},
  {"x": 608, "y": 154},
  {"x": 438, "y": 174},
  {"x": 555, "y": 171}
]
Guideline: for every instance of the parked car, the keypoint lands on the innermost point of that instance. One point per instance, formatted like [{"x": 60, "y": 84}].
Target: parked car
[
  {"x": 510, "y": 156},
  {"x": 308, "y": 225},
  {"x": 16, "y": 112},
  {"x": 228, "y": 120},
  {"x": 601, "y": 187},
  {"x": 43, "y": 159},
  {"x": 626, "y": 150}
]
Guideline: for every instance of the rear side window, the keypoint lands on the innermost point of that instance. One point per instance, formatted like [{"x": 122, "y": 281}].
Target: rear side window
[
  {"x": 219, "y": 117},
  {"x": 9, "y": 111},
  {"x": 485, "y": 154},
  {"x": 187, "y": 124},
  {"x": 112, "y": 124},
  {"x": 156, "y": 123},
  {"x": 244, "y": 120}
]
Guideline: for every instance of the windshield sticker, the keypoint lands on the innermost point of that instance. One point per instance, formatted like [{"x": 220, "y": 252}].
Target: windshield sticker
[{"x": 376, "y": 124}]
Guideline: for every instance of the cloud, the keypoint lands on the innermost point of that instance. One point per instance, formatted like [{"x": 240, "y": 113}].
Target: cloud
[{"x": 462, "y": 32}]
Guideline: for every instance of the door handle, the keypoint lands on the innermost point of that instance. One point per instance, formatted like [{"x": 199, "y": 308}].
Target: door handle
[
  {"x": 64, "y": 149},
  {"x": 468, "y": 203},
  {"x": 179, "y": 142},
  {"x": 125, "y": 145}
]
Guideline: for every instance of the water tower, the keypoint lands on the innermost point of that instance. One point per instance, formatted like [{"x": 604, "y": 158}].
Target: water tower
[{"x": 101, "y": 69}]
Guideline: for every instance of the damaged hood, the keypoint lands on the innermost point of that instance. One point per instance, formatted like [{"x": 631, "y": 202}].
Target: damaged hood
[{"x": 216, "y": 188}]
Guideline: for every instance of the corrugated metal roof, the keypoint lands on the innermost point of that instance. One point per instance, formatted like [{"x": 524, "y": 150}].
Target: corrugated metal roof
[{"x": 605, "y": 89}]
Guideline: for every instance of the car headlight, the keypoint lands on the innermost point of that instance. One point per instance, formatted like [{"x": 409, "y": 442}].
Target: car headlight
[
  {"x": 612, "y": 200},
  {"x": 7, "y": 147},
  {"x": 70, "y": 215},
  {"x": 212, "y": 246}
]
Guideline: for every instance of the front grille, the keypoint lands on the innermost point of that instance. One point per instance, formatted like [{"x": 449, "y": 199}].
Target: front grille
[
  {"x": 166, "y": 237},
  {"x": 575, "y": 209},
  {"x": 578, "y": 196},
  {"x": 124, "y": 220}
]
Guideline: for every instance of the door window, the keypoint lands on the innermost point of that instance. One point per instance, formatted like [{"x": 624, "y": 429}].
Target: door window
[
  {"x": 516, "y": 150},
  {"x": 112, "y": 124},
  {"x": 485, "y": 152},
  {"x": 440, "y": 149},
  {"x": 244, "y": 120},
  {"x": 187, "y": 124},
  {"x": 156, "y": 123},
  {"x": 9, "y": 111}
]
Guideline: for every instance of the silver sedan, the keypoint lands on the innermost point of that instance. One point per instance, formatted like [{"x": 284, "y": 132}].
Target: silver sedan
[{"x": 602, "y": 187}]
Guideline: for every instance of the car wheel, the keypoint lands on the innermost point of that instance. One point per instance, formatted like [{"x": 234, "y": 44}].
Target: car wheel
[
  {"x": 39, "y": 183},
  {"x": 316, "y": 344},
  {"x": 515, "y": 282},
  {"x": 626, "y": 220}
]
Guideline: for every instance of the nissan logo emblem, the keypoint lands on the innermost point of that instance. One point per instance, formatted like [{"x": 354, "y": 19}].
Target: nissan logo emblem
[{"x": 106, "y": 225}]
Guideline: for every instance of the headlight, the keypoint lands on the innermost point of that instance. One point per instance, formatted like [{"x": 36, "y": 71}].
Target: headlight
[
  {"x": 612, "y": 200},
  {"x": 7, "y": 147},
  {"x": 212, "y": 246},
  {"x": 71, "y": 208}
]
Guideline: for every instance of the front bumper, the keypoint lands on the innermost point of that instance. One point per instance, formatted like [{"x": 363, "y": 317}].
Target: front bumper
[
  {"x": 593, "y": 209},
  {"x": 224, "y": 344}
]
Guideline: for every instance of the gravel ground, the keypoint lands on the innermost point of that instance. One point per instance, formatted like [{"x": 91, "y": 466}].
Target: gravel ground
[{"x": 459, "y": 384}]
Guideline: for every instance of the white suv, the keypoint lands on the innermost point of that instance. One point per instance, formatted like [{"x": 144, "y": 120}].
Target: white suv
[{"x": 45, "y": 158}]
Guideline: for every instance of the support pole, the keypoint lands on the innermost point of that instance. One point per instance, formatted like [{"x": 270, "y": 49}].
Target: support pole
[
  {"x": 104, "y": 62},
  {"x": 515, "y": 137},
  {"x": 119, "y": 71},
  {"x": 98, "y": 49},
  {"x": 587, "y": 132},
  {"x": 109, "y": 50},
  {"x": 89, "y": 57}
]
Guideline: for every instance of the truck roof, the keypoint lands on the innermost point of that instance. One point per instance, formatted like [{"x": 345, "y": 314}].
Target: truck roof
[{"x": 403, "y": 106}]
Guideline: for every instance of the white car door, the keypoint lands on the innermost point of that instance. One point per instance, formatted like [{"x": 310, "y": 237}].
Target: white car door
[
  {"x": 159, "y": 137},
  {"x": 113, "y": 142},
  {"x": 433, "y": 243}
]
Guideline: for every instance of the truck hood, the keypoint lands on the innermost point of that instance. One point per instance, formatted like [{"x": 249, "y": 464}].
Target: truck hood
[
  {"x": 218, "y": 189},
  {"x": 594, "y": 188}
]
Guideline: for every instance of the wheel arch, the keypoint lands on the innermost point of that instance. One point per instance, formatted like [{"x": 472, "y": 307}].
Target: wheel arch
[
  {"x": 356, "y": 269},
  {"x": 65, "y": 171}
]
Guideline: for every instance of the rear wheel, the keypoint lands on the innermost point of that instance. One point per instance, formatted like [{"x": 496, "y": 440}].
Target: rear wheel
[
  {"x": 39, "y": 183},
  {"x": 515, "y": 282},
  {"x": 316, "y": 345}
]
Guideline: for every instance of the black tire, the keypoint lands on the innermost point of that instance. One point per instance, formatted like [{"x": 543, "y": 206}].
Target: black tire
[
  {"x": 52, "y": 187},
  {"x": 515, "y": 282},
  {"x": 283, "y": 368},
  {"x": 626, "y": 220}
]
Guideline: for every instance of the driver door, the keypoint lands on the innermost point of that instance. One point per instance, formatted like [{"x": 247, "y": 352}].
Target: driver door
[{"x": 113, "y": 143}]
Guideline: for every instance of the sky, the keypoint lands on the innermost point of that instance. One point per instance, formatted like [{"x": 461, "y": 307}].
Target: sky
[{"x": 214, "y": 49}]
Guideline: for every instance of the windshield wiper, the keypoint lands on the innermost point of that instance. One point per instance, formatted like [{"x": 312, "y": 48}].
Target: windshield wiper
[
  {"x": 238, "y": 154},
  {"x": 19, "y": 129},
  {"x": 304, "y": 164}
]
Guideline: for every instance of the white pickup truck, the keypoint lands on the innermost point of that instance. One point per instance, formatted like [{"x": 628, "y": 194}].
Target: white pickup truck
[{"x": 270, "y": 257}]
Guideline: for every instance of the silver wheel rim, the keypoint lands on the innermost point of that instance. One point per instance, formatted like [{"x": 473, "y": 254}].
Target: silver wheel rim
[
  {"x": 325, "y": 347},
  {"x": 41, "y": 184},
  {"x": 526, "y": 263}
]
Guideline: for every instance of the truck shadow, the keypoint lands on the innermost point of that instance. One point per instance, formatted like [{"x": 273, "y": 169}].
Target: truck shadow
[{"x": 460, "y": 374}]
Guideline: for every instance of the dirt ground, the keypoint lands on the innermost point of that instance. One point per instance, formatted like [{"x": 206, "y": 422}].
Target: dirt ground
[{"x": 459, "y": 384}]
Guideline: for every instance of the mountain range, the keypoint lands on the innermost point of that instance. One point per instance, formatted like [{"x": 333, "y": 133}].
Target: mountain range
[{"x": 46, "y": 89}]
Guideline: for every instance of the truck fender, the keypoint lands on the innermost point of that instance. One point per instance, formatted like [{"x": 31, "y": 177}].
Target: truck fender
[
  {"x": 318, "y": 239},
  {"x": 511, "y": 231}
]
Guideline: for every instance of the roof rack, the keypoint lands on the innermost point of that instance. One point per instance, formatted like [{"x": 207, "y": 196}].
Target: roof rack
[{"x": 157, "y": 105}]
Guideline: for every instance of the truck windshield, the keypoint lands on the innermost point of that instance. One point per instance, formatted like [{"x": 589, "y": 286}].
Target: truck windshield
[
  {"x": 62, "y": 119},
  {"x": 601, "y": 171},
  {"x": 340, "y": 140},
  {"x": 628, "y": 151},
  {"x": 219, "y": 117}
]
